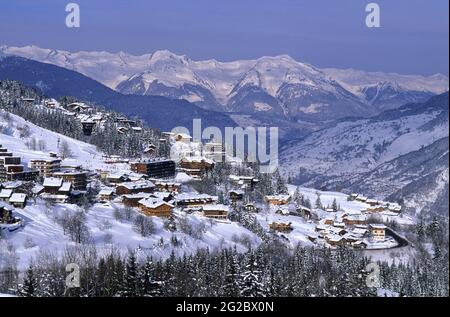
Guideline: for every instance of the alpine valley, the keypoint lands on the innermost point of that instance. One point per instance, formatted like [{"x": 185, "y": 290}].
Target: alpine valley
[
  {"x": 93, "y": 174},
  {"x": 385, "y": 134}
]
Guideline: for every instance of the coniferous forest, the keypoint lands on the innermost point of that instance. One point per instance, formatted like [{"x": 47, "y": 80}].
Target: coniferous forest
[{"x": 270, "y": 270}]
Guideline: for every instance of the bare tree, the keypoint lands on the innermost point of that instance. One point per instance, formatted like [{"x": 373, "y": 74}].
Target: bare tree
[
  {"x": 144, "y": 226},
  {"x": 65, "y": 150}
]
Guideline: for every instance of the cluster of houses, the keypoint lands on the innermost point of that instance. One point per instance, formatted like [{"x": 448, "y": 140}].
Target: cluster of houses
[
  {"x": 357, "y": 236},
  {"x": 61, "y": 184},
  {"x": 335, "y": 229},
  {"x": 376, "y": 206},
  {"x": 14, "y": 194},
  {"x": 149, "y": 186},
  {"x": 90, "y": 117}
]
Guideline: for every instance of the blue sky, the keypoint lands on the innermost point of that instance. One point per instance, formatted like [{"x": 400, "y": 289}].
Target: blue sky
[{"x": 413, "y": 37}]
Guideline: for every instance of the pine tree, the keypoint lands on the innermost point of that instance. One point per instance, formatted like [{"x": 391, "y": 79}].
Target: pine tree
[
  {"x": 281, "y": 187},
  {"x": 251, "y": 278},
  {"x": 334, "y": 205},
  {"x": 131, "y": 286},
  {"x": 297, "y": 198},
  {"x": 30, "y": 285},
  {"x": 318, "y": 201},
  {"x": 232, "y": 283},
  {"x": 150, "y": 287}
]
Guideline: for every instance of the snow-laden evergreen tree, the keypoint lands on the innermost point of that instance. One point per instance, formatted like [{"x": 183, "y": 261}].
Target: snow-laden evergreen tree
[
  {"x": 297, "y": 198},
  {"x": 252, "y": 278},
  {"x": 233, "y": 280},
  {"x": 280, "y": 184},
  {"x": 150, "y": 286},
  {"x": 318, "y": 203},
  {"x": 131, "y": 280},
  {"x": 29, "y": 288},
  {"x": 334, "y": 205}
]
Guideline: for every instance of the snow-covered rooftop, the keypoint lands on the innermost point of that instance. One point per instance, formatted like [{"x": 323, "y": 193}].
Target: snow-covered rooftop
[
  {"x": 52, "y": 182},
  {"x": 18, "y": 198}
]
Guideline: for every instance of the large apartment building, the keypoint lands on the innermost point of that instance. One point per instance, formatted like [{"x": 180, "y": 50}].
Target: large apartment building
[
  {"x": 12, "y": 169},
  {"x": 154, "y": 168},
  {"x": 78, "y": 179},
  {"x": 46, "y": 167}
]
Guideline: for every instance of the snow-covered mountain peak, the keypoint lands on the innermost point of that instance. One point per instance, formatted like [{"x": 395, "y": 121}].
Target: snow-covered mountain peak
[
  {"x": 168, "y": 56},
  {"x": 277, "y": 80}
]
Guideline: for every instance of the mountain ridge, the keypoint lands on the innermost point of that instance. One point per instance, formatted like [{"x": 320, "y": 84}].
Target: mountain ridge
[
  {"x": 279, "y": 85},
  {"x": 56, "y": 82}
]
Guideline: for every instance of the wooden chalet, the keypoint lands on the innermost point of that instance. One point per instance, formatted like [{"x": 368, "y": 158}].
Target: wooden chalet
[
  {"x": 187, "y": 200},
  {"x": 277, "y": 200},
  {"x": 244, "y": 182},
  {"x": 351, "y": 220},
  {"x": 196, "y": 166},
  {"x": 155, "y": 168},
  {"x": 304, "y": 212},
  {"x": 164, "y": 186},
  {"x": 132, "y": 200},
  {"x": 236, "y": 195},
  {"x": 218, "y": 211},
  {"x": 281, "y": 227},
  {"x": 135, "y": 187},
  {"x": 18, "y": 200},
  {"x": 106, "y": 194},
  {"x": 378, "y": 232},
  {"x": 155, "y": 207}
]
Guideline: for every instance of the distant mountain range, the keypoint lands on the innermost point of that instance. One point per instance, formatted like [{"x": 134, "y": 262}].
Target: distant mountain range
[
  {"x": 158, "y": 112},
  {"x": 278, "y": 87},
  {"x": 401, "y": 154}
]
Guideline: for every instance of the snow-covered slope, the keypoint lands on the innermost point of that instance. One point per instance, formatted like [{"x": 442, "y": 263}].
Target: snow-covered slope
[
  {"x": 278, "y": 85},
  {"x": 357, "y": 152},
  {"x": 10, "y": 137},
  {"x": 42, "y": 233}
]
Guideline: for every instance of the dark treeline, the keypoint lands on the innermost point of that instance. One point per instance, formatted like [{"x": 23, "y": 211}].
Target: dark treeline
[{"x": 271, "y": 270}]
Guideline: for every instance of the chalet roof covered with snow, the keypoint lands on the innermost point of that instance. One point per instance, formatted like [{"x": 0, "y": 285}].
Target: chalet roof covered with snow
[
  {"x": 377, "y": 226},
  {"x": 53, "y": 182},
  {"x": 238, "y": 178},
  {"x": 197, "y": 159},
  {"x": 153, "y": 203},
  {"x": 137, "y": 185},
  {"x": 195, "y": 197},
  {"x": 12, "y": 185},
  {"x": 18, "y": 198},
  {"x": 301, "y": 207},
  {"x": 65, "y": 187},
  {"x": 5, "y": 193},
  {"x": 161, "y": 195},
  {"x": 218, "y": 207},
  {"x": 137, "y": 196},
  {"x": 107, "y": 191},
  {"x": 359, "y": 231},
  {"x": 278, "y": 197}
]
